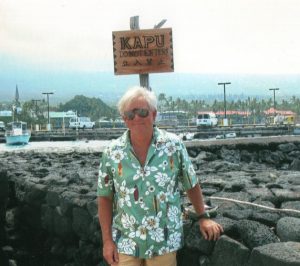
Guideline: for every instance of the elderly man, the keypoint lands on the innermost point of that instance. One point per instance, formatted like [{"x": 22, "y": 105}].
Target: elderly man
[{"x": 140, "y": 177}]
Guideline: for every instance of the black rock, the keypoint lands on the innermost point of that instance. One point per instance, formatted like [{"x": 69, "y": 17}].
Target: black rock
[{"x": 255, "y": 234}]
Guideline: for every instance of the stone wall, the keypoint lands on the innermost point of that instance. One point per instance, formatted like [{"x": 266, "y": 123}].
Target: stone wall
[{"x": 48, "y": 208}]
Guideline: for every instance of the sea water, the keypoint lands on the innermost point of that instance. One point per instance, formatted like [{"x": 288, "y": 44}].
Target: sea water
[{"x": 58, "y": 146}]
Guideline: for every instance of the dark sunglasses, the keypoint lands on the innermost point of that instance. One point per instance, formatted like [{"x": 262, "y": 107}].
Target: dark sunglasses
[{"x": 137, "y": 111}]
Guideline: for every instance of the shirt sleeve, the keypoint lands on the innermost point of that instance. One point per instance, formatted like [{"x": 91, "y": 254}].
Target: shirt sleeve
[
  {"x": 188, "y": 175},
  {"x": 105, "y": 177}
]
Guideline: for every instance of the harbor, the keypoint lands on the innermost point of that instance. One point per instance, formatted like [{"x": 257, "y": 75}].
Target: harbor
[{"x": 198, "y": 133}]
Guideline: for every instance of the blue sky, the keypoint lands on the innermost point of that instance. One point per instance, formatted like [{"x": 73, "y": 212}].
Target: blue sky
[{"x": 215, "y": 36}]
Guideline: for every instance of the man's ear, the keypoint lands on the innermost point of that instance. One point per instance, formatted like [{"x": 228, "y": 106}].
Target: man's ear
[{"x": 125, "y": 120}]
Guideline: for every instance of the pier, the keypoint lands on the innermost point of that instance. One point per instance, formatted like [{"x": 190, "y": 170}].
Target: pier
[{"x": 199, "y": 133}]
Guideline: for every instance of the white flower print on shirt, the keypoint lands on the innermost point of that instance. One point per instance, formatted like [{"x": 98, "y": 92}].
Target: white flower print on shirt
[
  {"x": 161, "y": 146},
  {"x": 128, "y": 221},
  {"x": 175, "y": 240},
  {"x": 143, "y": 171},
  {"x": 162, "y": 179},
  {"x": 101, "y": 173},
  {"x": 173, "y": 214},
  {"x": 150, "y": 188},
  {"x": 149, "y": 252},
  {"x": 157, "y": 234},
  {"x": 124, "y": 195},
  {"x": 152, "y": 222},
  {"x": 103, "y": 179},
  {"x": 170, "y": 148},
  {"x": 162, "y": 196},
  {"x": 163, "y": 165},
  {"x": 142, "y": 204},
  {"x": 117, "y": 155},
  {"x": 141, "y": 233},
  {"x": 128, "y": 245},
  {"x": 170, "y": 188},
  {"x": 100, "y": 183},
  {"x": 114, "y": 233},
  {"x": 164, "y": 250}
]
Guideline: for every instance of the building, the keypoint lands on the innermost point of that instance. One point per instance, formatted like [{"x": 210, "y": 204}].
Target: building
[{"x": 61, "y": 119}]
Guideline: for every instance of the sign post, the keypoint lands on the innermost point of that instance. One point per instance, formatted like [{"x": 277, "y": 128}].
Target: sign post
[
  {"x": 144, "y": 78},
  {"x": 143, "y": 51}
]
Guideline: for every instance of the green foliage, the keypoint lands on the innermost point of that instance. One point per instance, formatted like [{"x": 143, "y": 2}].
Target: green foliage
[
  {"x": 254, "y": 106},
  {"x": 95, "y": 108},
  {"x": 91, "y": 107},
  {"x": 32, "y": 113}
]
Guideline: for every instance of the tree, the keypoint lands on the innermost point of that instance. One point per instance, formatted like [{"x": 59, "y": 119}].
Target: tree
[
  {"x": 162, "y": 101},
  {"x": 91, "y": 107}
]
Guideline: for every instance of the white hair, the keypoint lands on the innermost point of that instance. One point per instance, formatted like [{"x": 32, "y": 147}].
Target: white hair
[{"x": 134, "y": 93}]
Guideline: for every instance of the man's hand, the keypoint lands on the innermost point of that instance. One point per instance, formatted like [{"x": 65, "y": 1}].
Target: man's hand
[
  {"x": 209, "y": 229},
  {"x": 110, "y": 252}
]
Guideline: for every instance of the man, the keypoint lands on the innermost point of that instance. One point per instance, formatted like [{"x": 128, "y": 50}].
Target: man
[{"x": 139, "y": 183}]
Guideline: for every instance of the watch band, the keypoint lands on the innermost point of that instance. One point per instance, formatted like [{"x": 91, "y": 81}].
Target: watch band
[
  {"x": 208, "y": 214},
  {"x": 205, "y": 215}
]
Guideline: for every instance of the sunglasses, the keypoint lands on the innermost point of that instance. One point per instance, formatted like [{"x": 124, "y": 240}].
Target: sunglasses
[{"x": 136, "y": 111}]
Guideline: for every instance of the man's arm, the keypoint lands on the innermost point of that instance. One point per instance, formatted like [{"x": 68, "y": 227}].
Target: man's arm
[
  {"x": 110, "y": 252},
  {"x": 208, "y": 228}
]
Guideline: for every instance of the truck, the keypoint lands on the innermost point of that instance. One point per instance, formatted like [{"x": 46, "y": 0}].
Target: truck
[
  {"x": 81, "y": 123},
  {"x": 282, "y": 120},
  {"x": 2, "y": 126},
  {"x": 206, "y": 119}
]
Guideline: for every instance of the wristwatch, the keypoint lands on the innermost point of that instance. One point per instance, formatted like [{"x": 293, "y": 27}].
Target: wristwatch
[
  {"x": 210, "y": 212},
  {"x": 205, "y": 215}
]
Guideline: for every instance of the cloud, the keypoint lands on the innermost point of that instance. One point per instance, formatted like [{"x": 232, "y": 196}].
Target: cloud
[{"x": 256, "y": 36}]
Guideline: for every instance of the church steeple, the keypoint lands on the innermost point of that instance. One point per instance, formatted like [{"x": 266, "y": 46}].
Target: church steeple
[{"x": 17, "y": 103}]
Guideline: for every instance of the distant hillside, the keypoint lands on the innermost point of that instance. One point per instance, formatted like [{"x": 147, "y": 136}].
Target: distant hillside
[
  {"x": 91, "y": 107},
  {"x": 108, "y": 87}
]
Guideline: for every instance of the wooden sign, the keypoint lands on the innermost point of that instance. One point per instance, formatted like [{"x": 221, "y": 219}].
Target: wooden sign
[{"x": 143, "y": 51}]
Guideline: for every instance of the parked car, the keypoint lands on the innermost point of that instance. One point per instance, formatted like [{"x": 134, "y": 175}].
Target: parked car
[
  {"x": 81, "y": 122},
  {"x": 2, "y": 126},
  {"x": 229, "y": 135}
]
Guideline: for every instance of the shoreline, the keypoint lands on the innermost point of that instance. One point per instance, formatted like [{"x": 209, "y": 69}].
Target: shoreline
[
  {"x": 99, "y": 145},
  {"x": 58, "y": 146}
]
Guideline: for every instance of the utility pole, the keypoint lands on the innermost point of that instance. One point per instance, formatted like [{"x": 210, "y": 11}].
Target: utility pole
[
  {"x": 224, "y": 84},
  {"x": 274, "y": 102},
  {"x": 48, "y": 93}
]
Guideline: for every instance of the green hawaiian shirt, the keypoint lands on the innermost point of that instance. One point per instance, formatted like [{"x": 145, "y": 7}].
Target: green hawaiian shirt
[{"x": 147, "y": 219}]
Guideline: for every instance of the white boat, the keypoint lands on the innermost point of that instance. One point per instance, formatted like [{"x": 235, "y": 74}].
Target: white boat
[
  {"x": 297, "y": 131},
  {"x": 16, "y": 133}
]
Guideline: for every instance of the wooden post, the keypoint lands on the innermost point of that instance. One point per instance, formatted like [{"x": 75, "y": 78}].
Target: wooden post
[{"x": 144, "y": 78}]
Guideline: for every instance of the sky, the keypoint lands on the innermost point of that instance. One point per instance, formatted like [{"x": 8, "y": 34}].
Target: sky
[
  {"x": 215, "y": 36},
  {"x": 66, "y": 45}
]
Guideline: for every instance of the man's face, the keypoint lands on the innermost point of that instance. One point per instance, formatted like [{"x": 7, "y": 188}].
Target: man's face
[{"x": 138, "y": 117}]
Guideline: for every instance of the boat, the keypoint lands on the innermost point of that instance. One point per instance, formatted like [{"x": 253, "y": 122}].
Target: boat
[
  {"x": 297, "y": 130},
  {"x": 16, "y": 133}
]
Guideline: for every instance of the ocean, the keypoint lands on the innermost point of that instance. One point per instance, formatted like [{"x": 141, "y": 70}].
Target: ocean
[{"x": 58, "y": 146}]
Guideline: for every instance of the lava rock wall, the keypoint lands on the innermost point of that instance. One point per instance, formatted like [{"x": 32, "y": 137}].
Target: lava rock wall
[{"x": 48, "y": 206}]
